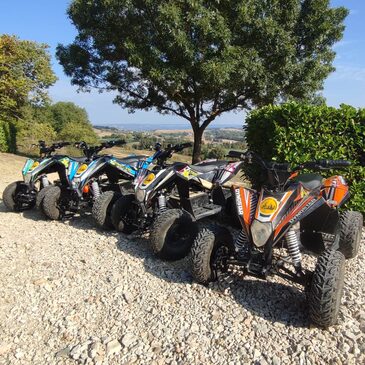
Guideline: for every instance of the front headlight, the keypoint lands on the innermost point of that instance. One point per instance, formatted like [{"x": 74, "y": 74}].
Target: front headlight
[
  {"x": 148, "y": 179},
  {"x": 81, "y": 169},
  {"x": 260, "y": 232},
  {"x": 140, "y": 195}
]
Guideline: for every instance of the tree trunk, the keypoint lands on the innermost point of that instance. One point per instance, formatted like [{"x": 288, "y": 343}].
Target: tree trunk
[{"x": 197, "y": 149}]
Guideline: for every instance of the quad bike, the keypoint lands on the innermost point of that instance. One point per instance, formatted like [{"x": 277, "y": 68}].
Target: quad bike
[
  {"x": 290, "y": 212},
  {"x": 173, "y": 199},
  {"x": 104, "y": 173},
  {"x": 202, "y": 191},
  {"x": 23, "y": 195},
  {"x": 137, "y": 209}
]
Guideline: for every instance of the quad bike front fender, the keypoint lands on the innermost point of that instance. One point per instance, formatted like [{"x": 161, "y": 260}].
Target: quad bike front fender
[{"x": 320, "y": 229}]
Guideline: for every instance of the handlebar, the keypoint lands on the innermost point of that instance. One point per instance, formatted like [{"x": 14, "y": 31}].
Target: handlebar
[{"x": 322, "y": 164}]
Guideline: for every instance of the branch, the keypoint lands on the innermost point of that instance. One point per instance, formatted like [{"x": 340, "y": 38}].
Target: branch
[{"x": 145, "y": 99}]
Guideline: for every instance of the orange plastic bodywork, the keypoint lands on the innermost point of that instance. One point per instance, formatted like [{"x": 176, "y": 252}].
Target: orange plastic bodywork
[
  {"x": 335, "y": 190},
  {"x": 86, "y": 189}
]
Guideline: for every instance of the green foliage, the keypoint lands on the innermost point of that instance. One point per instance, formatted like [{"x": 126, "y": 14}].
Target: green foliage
[
  {"x": 64, "y": 113},
  {"x": 25, "y": 75},
  {"x": 32, "y": 132},
  {"x": 217, "y": 152},
  {"x": 7, "y": 137},
  {"x": 297, "y": 133},
  {"x": 199, "y": 59},
  {"x": 74, "y": 132}
]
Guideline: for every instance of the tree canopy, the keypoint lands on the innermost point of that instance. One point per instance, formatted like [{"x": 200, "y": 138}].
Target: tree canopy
[
  {"x": 25, "y": 75},
  {"x": 200, "y": 58}
]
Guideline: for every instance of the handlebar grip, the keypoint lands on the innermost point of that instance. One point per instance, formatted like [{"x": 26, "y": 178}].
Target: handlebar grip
[
  {"x": 181, "y": 146},
  {"x": 236, "y": 154},
  {"x": 334, "y": 163},
  {"x": 279, "y": 166}
]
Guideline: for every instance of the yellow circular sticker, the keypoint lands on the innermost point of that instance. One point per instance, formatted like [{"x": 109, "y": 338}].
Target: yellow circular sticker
[{"x": 268, "y": 206}]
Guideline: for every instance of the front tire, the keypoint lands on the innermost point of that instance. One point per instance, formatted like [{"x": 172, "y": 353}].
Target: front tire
[
  {"x": 172, "y": 234},
  {"x": 122, "y": 214},
  {"x": 350, "y": 235},
  {"x": 102, "y": 208},
  {"x": 205, "y": 253},
  {"x": 10, "y": 196},
  {"x": 51, "y": 203},
  {"x": 326, "y": 289},
  {"x": 40, "y": 196}
]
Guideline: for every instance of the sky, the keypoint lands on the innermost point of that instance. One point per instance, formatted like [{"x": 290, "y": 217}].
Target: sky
[{"x": 46, "y": 21}]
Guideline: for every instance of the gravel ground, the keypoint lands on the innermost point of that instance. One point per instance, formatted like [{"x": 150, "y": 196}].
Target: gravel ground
[{"x": 72, "y": 294}]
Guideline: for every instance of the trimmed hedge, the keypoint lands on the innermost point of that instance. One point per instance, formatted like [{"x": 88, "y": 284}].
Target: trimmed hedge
[
  {"x": 7, "y": 137},
  {"x": 297, "y": 133}
]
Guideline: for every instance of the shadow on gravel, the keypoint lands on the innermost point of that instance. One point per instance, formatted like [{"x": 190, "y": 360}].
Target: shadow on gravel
[
  {"x": 273, "y": 301},
  {"x": 139, "y": 247}
]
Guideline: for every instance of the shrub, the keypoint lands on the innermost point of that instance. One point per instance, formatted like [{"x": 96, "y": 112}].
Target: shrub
[
  {"x": 7, "y": 137},
  {"x": 296, "y": 133}
]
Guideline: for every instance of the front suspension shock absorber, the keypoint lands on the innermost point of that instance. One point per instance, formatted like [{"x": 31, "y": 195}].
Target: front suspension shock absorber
[
  {"x": 96, "y": 189},
  {"x": 162, "y": 203},
  {"x": 45, "y": 181},
  {"x": 241, "y": 243},
  {"x": 292, "y": 242}
]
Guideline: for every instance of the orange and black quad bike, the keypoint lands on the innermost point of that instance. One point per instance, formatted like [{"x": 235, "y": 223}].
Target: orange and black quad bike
[{"x": 297, "y": 213}]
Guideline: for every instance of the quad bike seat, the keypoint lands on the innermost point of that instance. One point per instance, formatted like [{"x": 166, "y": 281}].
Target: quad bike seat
[
  {"x": 132, "y": 159},
  {"x": 310, "y": 181},
  {"x": 207, "y": 166},
  {"x": 79, "y": 159}
]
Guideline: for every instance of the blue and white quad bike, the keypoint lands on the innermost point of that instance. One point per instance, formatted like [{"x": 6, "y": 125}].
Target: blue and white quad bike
[
  {"x": 96, "y": 184},
  {"x": 23, "y": 195}
]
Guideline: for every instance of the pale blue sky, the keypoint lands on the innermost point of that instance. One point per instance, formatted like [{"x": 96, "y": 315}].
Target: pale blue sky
[{"x": 46, "y": 21}]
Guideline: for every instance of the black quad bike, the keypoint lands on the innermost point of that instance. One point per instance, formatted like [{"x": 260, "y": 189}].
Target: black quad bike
[
  {"x": 202, "y": 191},
  {"x": 104, "y": 173},
  {"x": 172, "y": 199},
  {"x": 23, "y": 195},
  {"x": 291, "y": 212},
  {"x": 151, "y": 190}
]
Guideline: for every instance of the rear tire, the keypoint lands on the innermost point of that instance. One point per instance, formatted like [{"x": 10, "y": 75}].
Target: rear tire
[
  {"x": 102, "y": 209},
  {"x": 172, "y": 234},
  {"x": 350, "y": 235},
  {"x": 326, "y": 289},
  {"x": 51, "y": 203},
  {"x": 204, "y": 252},
  {"x": 121, "y": 214}
]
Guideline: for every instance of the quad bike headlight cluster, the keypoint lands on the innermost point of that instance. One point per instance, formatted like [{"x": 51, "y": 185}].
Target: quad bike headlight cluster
[
  {"x": 81, "y": 169},
  {"x": 260, "y": 232},
  {"x": 148, "y": 179},
  {"x": 35, "y": 164}
]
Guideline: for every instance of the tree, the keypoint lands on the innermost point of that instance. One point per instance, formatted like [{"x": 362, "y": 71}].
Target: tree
[
  {"x": 64, "y": 113},
  {"x": 199, "y": 59},
  {"x": 25, "y": 75}
]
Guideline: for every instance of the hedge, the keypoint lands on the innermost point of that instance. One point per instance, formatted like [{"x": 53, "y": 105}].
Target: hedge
[
  {"x": 7, "y": 137},
  {"x": 297, "y": 133}
]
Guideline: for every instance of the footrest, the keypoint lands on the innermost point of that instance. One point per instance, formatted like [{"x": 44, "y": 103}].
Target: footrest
[{"x": 207, "y": 211}]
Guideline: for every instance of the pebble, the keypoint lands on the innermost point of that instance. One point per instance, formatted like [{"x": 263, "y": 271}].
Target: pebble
[
  {"x": 73, "y": 294},
  {"x": 113, "y": 347}
]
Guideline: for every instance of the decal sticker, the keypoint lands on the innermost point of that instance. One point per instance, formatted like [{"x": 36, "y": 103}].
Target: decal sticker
[
  {"x": 188, "y": 173},
  {"x": 65, "y": 161},
  {"x": 268, "y": 206},
  {"x": 122, "y": 167}
]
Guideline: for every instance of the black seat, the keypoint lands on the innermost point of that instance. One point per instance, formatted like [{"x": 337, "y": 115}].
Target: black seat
[
  {"x": 207, "y": 166},
  {"x": 310, "y": 181},
  {"x": 132, "y": 159},
  {"x": 79, "y": 159}
]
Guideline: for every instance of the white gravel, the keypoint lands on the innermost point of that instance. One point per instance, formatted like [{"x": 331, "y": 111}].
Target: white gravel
[{"x": 72, "y": 294}]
